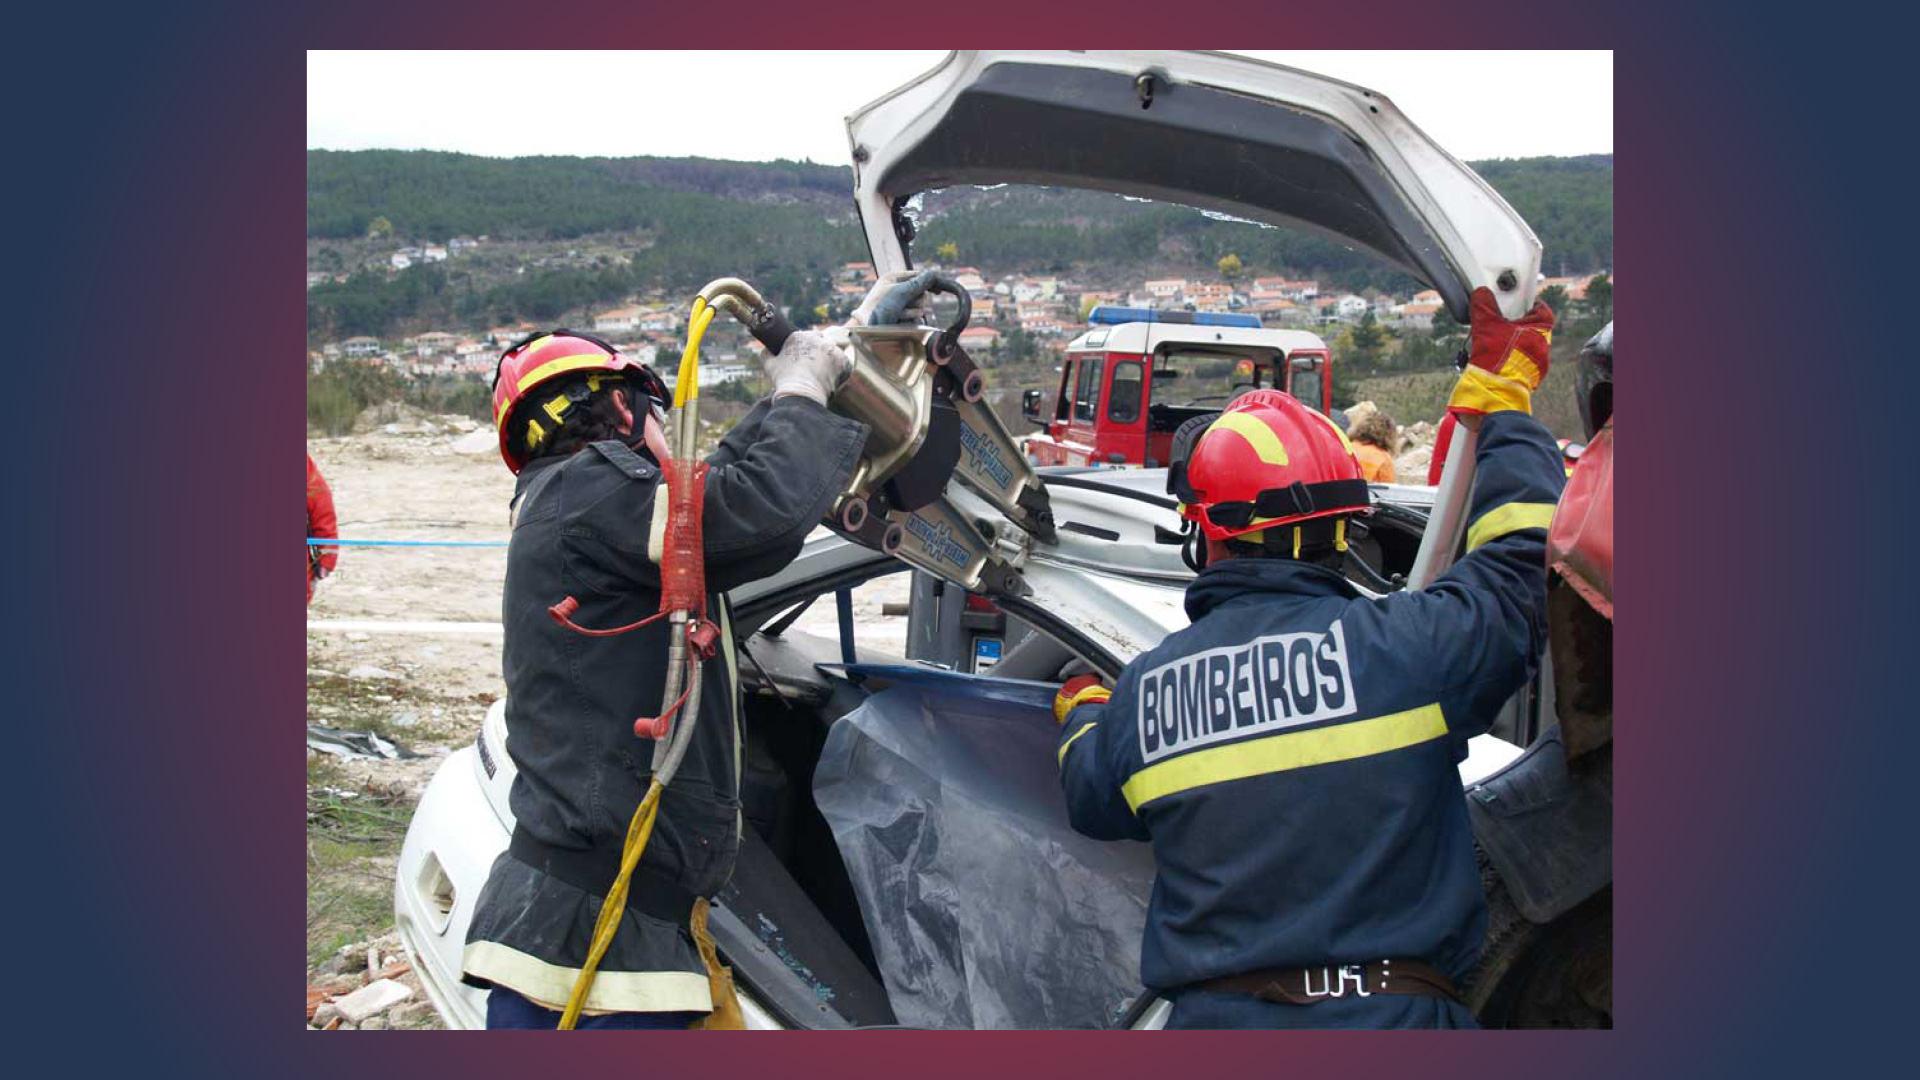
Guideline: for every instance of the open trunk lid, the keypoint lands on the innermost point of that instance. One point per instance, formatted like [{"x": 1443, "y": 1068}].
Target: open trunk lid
[
  {"x": 1222, "y": 133},
  {"x": 1209, "y": 130}
]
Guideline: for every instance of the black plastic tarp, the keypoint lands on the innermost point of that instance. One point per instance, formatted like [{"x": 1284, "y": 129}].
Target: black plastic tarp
[{"x": 985, "y": 908}]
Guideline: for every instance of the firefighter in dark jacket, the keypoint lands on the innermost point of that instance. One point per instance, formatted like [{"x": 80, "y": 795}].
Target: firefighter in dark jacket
[
  {"x": 580, "y": 425},
  {"x": 1292, "y": 755}
]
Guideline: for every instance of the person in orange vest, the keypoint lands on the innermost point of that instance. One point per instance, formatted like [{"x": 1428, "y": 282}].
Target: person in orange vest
[
  {"x": 1373, "y": 440},
  {"x": 321, "y": 524}
]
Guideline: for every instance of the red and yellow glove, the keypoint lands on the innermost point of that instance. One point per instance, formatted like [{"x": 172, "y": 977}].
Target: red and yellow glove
[
  {"x": 1507, "y": 360},
  {"x": 1078, "y": 691}
]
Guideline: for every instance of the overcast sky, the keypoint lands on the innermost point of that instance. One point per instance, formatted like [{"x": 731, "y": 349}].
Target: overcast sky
[{"x": 619, "y": 104}]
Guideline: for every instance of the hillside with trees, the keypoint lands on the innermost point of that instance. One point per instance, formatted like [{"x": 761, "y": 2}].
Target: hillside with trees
[{"x": 566, "y": 234}]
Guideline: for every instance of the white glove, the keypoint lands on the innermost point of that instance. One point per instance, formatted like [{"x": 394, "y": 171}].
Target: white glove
[
  {"x": 918, "y": 309},
  {"x": 808, "y": 365}
]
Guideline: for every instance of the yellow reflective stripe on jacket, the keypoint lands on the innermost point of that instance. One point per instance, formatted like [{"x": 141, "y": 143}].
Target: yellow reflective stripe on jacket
[
  {"x": 1075, "y": 738},
  {"x": 1288, "y": 750},
  {"x": 549, "y": 985},
  {"x": 1502, "y": 520}
]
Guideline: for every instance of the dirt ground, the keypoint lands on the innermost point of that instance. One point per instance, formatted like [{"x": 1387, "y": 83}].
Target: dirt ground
[{"x": 412, "y": 477}]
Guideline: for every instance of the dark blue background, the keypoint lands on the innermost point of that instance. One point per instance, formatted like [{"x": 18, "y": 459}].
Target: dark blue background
[{"x": 158, "y": 186}]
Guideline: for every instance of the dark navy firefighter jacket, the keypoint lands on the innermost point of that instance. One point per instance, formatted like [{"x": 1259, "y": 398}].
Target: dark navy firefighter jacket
[
  {"x": 1292, "y": 754},
  {"x": 587, "y": 526}
]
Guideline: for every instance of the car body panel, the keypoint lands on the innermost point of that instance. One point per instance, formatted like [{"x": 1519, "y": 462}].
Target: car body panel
[
  {"x": 452, "y": 840},
  {"x": 1221, "y": 133}
]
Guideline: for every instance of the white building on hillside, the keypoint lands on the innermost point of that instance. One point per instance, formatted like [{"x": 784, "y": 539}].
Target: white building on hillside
[{"x": 625, "y": 318}]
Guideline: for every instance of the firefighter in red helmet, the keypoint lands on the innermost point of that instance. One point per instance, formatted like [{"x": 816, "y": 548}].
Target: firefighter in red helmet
[
  {"x": 580, "y": 427},
  {"x": 1291, "y": 755}
]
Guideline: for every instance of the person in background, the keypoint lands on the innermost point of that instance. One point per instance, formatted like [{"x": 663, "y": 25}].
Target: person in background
[
  {"x": 1373, "y": 437},
  {"x": 321, "y": 525}
]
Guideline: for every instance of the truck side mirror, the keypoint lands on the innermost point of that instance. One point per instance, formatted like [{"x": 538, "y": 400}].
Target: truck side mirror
[{"x": 1030, "y": 407}]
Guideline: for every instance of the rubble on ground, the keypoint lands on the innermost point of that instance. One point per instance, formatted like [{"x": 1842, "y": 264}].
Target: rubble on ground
[
  {"x": 389, "y": 417},
  {"x": 1416, "y": 452},
  {"x": 341, "y": 743},
  {"x": 478, "y": 441},
  {"x": 1413, "y": 443},
  {"x": 368, "y": 986},
  {"x": 371, "y": 1000}
]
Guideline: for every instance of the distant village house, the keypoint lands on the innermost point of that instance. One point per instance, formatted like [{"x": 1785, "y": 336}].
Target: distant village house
[{"x": 618, "y": 319}]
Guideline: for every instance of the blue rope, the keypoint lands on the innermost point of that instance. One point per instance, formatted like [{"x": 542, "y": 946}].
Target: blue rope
[{"x": 321, "y": 541}]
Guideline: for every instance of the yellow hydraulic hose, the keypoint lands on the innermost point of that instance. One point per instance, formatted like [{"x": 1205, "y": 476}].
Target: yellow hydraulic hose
[
  {"x": 687, "y": 386},
  {"x": 686, "y": 394},
  {"x": 638, "y": 831}
]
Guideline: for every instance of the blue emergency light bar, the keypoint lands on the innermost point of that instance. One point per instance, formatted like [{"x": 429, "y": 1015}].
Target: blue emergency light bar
[{"x": 1110, "y": 315}]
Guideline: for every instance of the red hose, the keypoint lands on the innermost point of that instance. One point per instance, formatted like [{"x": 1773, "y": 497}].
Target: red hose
[
  {"x": 567, "y": 607},
  {"x": 656, "y": 727}
]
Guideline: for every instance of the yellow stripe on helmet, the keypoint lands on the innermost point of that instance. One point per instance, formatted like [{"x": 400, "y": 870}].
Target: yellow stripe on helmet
[
  {"x": 551, "y": 368},
  {"x": 1258, "y": 435}
]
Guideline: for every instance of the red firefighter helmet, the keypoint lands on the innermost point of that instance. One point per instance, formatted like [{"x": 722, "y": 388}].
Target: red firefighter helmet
[
  {"x": 539, "y": 359},
  {"x": 1267, "y": 460}
]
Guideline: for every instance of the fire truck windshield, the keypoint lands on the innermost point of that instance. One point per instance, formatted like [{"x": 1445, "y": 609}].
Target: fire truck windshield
[{"x": 1205, "y": 377}]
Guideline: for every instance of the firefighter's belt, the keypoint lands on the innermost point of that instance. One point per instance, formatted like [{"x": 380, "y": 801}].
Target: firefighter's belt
[{"x": 1310, "y": 986}]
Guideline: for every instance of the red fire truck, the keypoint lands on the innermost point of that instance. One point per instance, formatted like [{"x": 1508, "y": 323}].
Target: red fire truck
[{"x": 1137, "y": 374}]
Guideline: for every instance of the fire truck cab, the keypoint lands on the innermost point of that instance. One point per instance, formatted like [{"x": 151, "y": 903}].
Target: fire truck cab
[{"x": 1138, "y": 374}]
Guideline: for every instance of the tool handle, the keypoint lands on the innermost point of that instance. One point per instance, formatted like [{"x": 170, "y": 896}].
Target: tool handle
[
  {"x": 892, "y": 307},
  {"x": 770, "y": 328}
]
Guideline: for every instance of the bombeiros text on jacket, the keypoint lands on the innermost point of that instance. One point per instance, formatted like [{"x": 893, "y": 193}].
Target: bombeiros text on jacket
[{"x": 1269, "y": 683}]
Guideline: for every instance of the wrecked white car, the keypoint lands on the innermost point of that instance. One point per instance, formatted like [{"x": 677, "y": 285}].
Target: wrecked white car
[{"x": 905, "y": 856}]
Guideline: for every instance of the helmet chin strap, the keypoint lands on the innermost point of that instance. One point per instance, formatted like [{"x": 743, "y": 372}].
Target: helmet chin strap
[{"x": 1193, "y": 549}]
